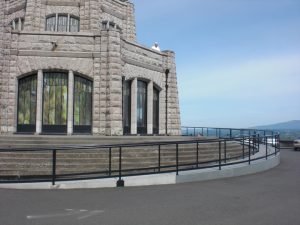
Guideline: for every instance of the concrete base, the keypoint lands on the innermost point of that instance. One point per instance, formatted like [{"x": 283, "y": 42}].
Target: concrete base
[{"x": 161, "y": 179}]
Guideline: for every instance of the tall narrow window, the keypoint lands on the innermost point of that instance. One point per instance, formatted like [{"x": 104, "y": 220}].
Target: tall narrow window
[
  {"x": 155, "y": 111},
  {"x": 50, "y": 23},
  {"x": 126, "y": 107},
  {"x": 27, "y": 104},
  {"x": 82, "y": 105},
  {"x": 17, "y": 24},
  {"x": 142, "y": 107},
  {"x": 62, "y": 24},
  {"x": 74, "y": 24},
  {"x": 55, "y": 103}
]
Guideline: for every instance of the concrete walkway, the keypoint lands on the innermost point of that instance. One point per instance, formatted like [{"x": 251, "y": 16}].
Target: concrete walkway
[{"x": 267, "y": 198}]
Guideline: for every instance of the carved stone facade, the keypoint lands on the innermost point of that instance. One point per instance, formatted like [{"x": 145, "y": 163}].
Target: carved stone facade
[{"x": 103, "y": 51}]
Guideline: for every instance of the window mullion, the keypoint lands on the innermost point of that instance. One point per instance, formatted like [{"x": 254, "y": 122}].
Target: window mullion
[
  {"x": 68, "y": 23},
  {"x": 56, "y": 22}
]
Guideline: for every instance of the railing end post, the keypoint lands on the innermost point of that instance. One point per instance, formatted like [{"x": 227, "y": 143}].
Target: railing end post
[{"x": 120, "y": 183}]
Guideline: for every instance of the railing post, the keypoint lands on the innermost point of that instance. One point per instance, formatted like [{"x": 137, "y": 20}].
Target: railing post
[
  {"x": 230, "y": 133},
  {"x": 276, "y": 143},
  {"x": 249, "y": 151},
  {"x": 225, "y": 151},
  {"x": 120, "y": 182},
  {"x": 220, "y": 156},
  {"x": 109, "y": 166},
  {"x": 194, "y": 131},
  {"x": 197, "y": 161},
  {"x": 158, "y": 157},
  {"x": 177, "y": 160},
  {"x": 243, "y": 147},
  {"x": 266, "y": 142},
  {"x": 258, "y": 142},
  {"x": 53, "y": 166},
  {"x": 253, "y": 144}
]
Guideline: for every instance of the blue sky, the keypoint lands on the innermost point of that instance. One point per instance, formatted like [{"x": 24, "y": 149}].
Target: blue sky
[{"x": 238, "y": 61}]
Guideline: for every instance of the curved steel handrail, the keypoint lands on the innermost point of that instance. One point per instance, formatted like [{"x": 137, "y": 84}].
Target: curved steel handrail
[{"x": 250, "y": 145}]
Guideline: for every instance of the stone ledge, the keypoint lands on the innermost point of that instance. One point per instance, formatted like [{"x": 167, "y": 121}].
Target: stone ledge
[
  {"x": 61, "y": 3},
  {"x": 71, "y": 34},
  {"x": 15, "y": 8},
  {"x": 142, "y": 64},
  {"x": 113, "y": 13},
  {"x": 163, "y": 53},
  {"x": 56, "y": 54}
]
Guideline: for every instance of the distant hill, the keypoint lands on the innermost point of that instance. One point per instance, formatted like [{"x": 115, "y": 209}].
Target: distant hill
[{"x": 290, "y": 125}]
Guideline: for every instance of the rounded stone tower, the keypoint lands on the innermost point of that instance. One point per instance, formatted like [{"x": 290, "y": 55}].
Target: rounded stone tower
[{"x": 74, "y": 66}]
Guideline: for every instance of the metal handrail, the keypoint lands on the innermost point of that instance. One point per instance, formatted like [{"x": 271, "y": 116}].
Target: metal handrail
[
  {"x": 250, "y": 145},
  {"x": 216, "y": 131}
]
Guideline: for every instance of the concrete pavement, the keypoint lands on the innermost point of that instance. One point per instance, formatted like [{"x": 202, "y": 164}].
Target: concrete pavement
[{"x": 267, "y": 198}]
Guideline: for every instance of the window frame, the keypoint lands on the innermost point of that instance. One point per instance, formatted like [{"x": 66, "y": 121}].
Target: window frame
[
  {"x": 143, "y": 94},
  {"x": 15, "y": 22},
  {"x": 30, "y": 127},
  {"x": 83, "y": 128},
  {"x": 56, "y": 17},
  {"x": 156, "y": 110}
]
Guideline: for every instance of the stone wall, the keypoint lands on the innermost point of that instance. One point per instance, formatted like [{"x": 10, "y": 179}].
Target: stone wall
[
  {"x": 2, "y": 22},
  {"x": 91, "y": 13},
  {"x": 150, "y": 65},
  {"x": 174, "y": 123},
  {"x": 103, "y": 55}
]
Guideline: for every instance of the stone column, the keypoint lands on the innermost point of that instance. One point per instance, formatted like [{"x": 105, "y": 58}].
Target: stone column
[
  {"x": 39, "y": 102},
  {"x": 173, "y": 112},
  {"x": 134, "y": 106},
  {"x": 150, "y": 108},
  {"x": 70, "y": 102}
]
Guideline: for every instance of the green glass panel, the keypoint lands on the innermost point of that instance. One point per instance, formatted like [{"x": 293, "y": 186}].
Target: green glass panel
[
  {"x": 27, "y": 101},
  {"x": 82, "y": 101},
  {"x": 55, "y": 99},
  {"x": 76, "y": 109},
  {"x": 64, "y": 113},
  {"x": 52, "y": 105},
  {"x": 46, "y": 104}
]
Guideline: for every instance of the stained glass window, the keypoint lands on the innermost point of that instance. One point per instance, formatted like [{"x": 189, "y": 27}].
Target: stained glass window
[
  {"x": 50, "y": 23},
  {"x": 55, "y": 99},
  {"x": 126, "y": 107},
  {"x": 155, "y": 111},
  {"x": 27, "y": 100},
  {"x": 62, "y": 24},
  {"x": 141, "y": 107},
  {"x": 82, "y": 102},
  {"x": 74, "y": 24},
  {"x": 18, "y": 24}
]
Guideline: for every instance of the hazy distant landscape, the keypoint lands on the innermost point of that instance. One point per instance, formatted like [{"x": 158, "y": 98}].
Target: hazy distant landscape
[{"x": 288, "y": 130}]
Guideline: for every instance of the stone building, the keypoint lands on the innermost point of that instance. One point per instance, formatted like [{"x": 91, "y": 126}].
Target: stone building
[{"x": 74, "y": 66}]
